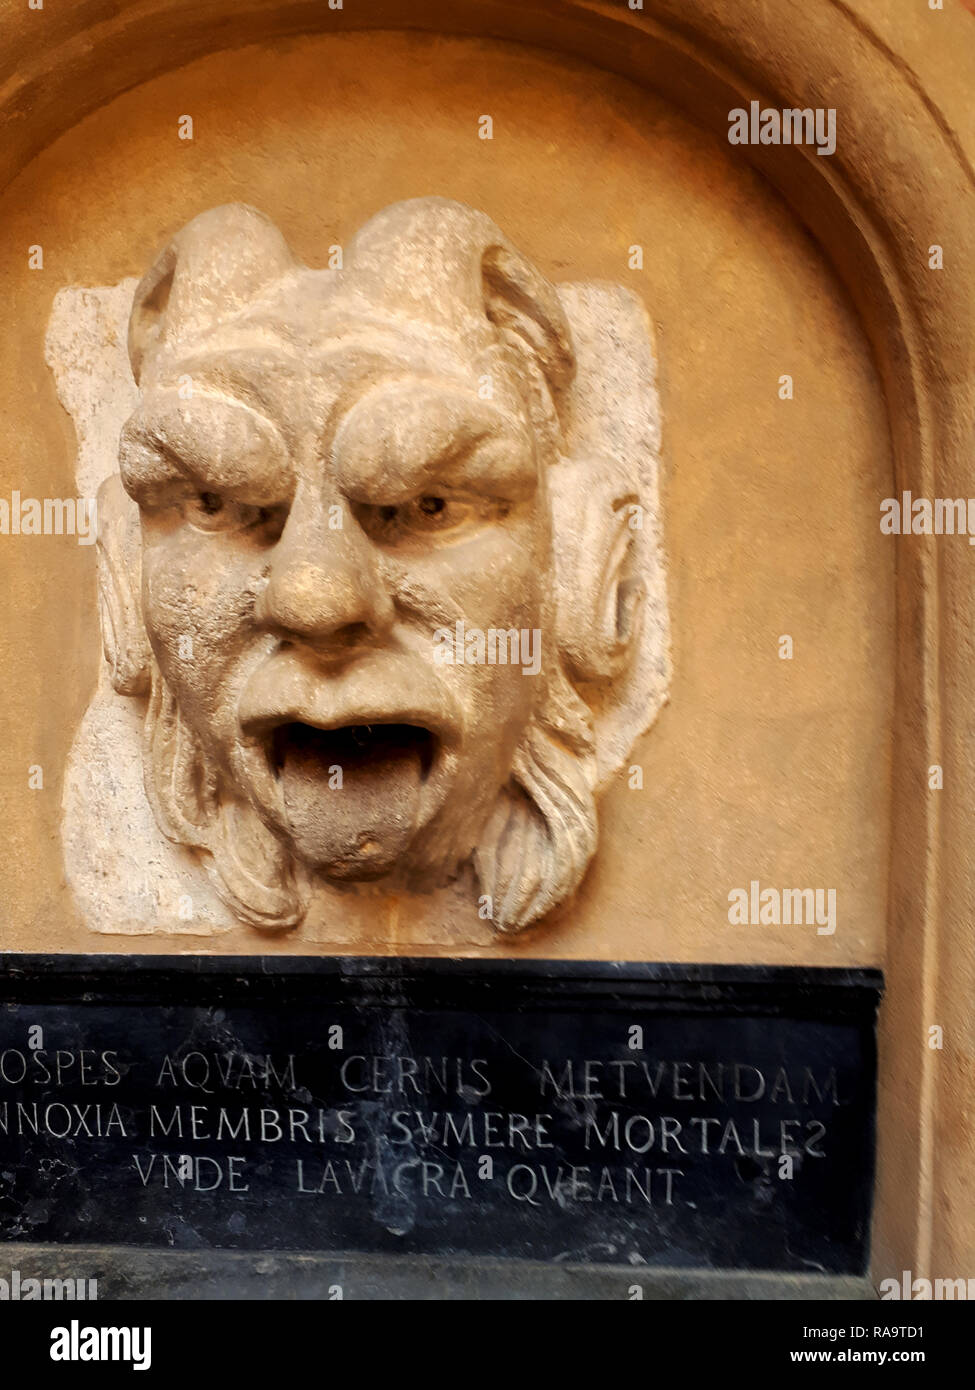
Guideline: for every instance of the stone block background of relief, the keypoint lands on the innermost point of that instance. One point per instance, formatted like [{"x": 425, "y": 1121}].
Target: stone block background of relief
[{"x": 170, "y": 824}]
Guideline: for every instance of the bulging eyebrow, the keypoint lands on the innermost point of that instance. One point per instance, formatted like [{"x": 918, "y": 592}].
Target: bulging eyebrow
[
  {"x": 265, "y": 380},
  {"x": 399, "y": 437},
  {"x": 216, "y": 443}
]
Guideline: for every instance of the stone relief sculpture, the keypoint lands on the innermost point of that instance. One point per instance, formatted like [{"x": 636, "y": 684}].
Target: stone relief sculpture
[{"x": 380, "y": 575}]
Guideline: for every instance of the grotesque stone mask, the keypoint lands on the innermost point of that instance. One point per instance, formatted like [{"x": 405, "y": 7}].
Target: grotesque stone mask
[{"x": 383, "y": 581}]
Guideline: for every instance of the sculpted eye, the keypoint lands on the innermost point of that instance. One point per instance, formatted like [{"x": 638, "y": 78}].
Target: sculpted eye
[
  {"x": 209, "y": 511},
  {"x": 431, "y": 514},
  {"x": 431, "y": 506}
]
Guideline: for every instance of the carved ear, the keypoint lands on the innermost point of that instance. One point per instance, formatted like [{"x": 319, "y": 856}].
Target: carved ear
[
  {"x": 208, "y": 272},
  {"x": 601, "y": 597},
  {"x": 523, "y": 305},
  {"x": 119, "y": 556},
  {"x": 604, "y": 494}
]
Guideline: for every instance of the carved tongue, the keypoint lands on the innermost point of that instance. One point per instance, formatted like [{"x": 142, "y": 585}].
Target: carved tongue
[{"x": 351, "y": 795}]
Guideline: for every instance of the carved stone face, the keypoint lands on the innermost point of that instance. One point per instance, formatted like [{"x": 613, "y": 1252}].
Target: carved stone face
[
  {"x": 299, "y": 557},
  {"x": 336, "y": 471}
]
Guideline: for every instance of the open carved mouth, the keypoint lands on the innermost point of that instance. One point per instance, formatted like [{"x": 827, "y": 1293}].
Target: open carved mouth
[
  {"x": 355, "y": 748},
  {"x": 351, "y": 795}
]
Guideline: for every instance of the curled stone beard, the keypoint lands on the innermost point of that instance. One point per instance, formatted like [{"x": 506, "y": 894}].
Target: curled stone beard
[
  {"x": 542, "y": 832},
  {"x": 532, "y": 852},
  {"x": 250, "y": 868}
]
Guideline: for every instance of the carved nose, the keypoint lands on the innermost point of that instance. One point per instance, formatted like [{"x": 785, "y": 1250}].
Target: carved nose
[{"x": 324, "y": 586}]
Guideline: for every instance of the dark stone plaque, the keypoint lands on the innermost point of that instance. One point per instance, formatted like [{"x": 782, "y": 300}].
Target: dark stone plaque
[{"x": 627, "y": 1114}]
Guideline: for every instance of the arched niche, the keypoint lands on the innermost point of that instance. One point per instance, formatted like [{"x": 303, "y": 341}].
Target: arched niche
[{"x": 899, "y": 169}]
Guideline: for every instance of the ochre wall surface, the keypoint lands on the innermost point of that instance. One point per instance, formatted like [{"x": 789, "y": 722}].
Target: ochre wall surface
[{"x": 759, "y": 768}]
